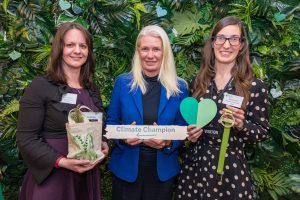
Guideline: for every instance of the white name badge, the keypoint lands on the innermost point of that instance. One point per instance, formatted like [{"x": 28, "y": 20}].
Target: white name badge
[
  {"x": 232, "y": 100},
  {"x": 146, "y": 132},
  {"x": 69, "y": 98},
  {"x": 93, "y": 116}
]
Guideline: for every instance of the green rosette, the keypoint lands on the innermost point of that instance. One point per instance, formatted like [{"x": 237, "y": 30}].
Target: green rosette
[{"x": 227, "y": 121}]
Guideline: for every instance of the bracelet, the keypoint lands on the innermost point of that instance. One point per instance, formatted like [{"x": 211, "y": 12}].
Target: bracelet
[{"x": 57, "y": 162}]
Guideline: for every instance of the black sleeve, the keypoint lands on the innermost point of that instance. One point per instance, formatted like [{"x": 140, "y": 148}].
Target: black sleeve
[
  {"x": 96, "y": 96},
  {"x": 256, "y": 124},
  {"x": 38, "y": 155}
]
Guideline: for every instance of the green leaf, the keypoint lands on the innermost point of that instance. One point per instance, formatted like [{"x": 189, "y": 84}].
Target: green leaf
[
  {"x": 4, "y": 5},
  {"x": 186, "y": 23},
  {"x": 14, "y": 55},
  {"x": 76, "y": 9},
  {"x": 11, "y": 107},
  {"x": 295, "y": 177},
  {"x": 137, "y": 8},
  {"x": 259, "y": 71},
  {"x": 64, "y": 5},
  {"x": 296, "y": 53},
  {"x": 62, "y": 18},
  {"x": 289, "y": 138},
  {"x": 279, "y": 16},
  {"x": 42, "y": 54},
  {"x": 140, "y": 7},
  {"x": 263, "y": 50}
]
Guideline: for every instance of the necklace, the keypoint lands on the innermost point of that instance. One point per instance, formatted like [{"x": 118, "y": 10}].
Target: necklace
[
  {"x": 76, "y": 90},
  {"x": 220, "y": 92}
]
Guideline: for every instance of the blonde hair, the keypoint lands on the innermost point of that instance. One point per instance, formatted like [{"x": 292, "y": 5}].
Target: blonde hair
[{"x": 167, "y": 74}]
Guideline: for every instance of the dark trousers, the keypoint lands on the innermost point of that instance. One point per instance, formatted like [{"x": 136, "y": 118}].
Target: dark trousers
[{"x": 146, "y": 187}]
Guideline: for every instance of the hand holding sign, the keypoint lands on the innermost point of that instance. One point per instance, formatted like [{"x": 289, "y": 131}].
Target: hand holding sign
[{"x": 133, "y": 141}]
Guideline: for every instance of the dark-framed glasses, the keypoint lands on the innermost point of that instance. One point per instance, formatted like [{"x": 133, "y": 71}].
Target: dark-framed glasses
[{"x": 233, "y": 41}]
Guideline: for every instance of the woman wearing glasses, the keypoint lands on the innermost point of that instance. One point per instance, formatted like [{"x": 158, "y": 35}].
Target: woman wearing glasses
[{"x": 225, "y": 69}]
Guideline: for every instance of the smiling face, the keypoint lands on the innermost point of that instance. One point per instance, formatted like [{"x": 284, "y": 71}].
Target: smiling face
[
  {"x": 151, "y": 54},
  {"x": 227, "y": 53},
  {"x": 75, "y": 51}
]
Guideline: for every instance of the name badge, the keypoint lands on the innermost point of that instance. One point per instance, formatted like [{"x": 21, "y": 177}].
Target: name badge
[
  {"x": 232, "y": 100},
  {"x": 69, "y": 98},
  {"x": 93, "y": 116}
]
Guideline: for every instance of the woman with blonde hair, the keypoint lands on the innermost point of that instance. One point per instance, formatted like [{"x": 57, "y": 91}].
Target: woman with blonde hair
[{"x": 149, "y": 95}]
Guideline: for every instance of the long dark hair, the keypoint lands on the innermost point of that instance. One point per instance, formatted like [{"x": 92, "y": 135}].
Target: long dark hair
[
  {"x": 55, "y": 70},
  {"x": 242, "y": 71}
]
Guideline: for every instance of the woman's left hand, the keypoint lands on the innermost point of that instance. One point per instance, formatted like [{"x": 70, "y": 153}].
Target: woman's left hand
[
  {"x": 157, "y": 144},
  {"x": 239, "y": 116}
]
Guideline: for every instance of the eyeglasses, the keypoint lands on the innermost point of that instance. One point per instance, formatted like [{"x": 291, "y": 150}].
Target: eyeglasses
[{"x": 233, "y": 41}]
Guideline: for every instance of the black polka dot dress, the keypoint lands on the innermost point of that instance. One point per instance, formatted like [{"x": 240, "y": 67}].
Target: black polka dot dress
[{"x": 198, "y": 178}]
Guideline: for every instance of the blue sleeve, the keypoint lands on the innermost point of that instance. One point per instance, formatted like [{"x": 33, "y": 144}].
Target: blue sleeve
[
  {"x": 179, "y": 119},
  {"x": 114, "y": 110}
]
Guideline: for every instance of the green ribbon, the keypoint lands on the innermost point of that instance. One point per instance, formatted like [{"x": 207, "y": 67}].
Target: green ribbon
[{"x": 223, "y": 149}]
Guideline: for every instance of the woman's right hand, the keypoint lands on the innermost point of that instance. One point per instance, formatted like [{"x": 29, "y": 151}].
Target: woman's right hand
[
  {"x": 133, "y": 141},
  {"x": 79, "y": 166},
  {"x": 194, "y": 133}
]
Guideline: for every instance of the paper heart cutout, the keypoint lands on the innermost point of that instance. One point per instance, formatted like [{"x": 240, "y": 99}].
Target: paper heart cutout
[
  {"x": 198, "y": 113},
  {"x": 189, "y": 110}
]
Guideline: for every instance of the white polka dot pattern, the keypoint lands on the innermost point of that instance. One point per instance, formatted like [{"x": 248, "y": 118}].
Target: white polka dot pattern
[{"x": 201, "y": 181}]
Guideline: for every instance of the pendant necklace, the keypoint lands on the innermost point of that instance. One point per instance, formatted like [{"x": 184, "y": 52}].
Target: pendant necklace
[{"x": 78, "y": 91}]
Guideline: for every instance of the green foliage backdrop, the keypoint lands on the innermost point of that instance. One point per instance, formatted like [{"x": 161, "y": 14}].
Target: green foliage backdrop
[{"x": 27, "y": 28}]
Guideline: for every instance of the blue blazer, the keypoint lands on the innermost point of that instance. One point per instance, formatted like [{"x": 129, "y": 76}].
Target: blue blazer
[{"x": 126, "y": 107}]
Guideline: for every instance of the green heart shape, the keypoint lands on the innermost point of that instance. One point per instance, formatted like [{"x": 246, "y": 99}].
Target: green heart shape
[
  {"x": 198, "y": 113},
  {"x": 189, "y": 110}
]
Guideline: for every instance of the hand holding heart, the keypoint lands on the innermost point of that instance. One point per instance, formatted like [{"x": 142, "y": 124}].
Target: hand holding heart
[
  {"x": 198, "y": 114},
  {"x": 194, "y": 133}
]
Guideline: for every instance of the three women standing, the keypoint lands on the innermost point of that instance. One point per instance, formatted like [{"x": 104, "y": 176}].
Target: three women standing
[{"x": 150, "y": 94}]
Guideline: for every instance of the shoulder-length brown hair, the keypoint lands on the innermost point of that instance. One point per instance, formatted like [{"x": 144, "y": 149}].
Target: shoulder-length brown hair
[
  {"x": 55, "y": 69},
  {"x": 242, "y": 71}
]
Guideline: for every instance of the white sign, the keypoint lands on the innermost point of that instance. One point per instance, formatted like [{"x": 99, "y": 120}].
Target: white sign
[
  {"x": 93, "y": 116},
  {"x": 146, "y": 132}
]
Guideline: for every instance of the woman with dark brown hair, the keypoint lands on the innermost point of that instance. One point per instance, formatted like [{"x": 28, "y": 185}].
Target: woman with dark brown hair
[
  {"x": 225, "y": 73},
  {"x": 44, "y": 108}
]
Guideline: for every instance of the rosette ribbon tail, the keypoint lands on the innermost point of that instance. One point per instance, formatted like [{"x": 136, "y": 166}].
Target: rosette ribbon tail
[
  {"x": 227, "y": 121},
  {"x": 223, "y": 150}
]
